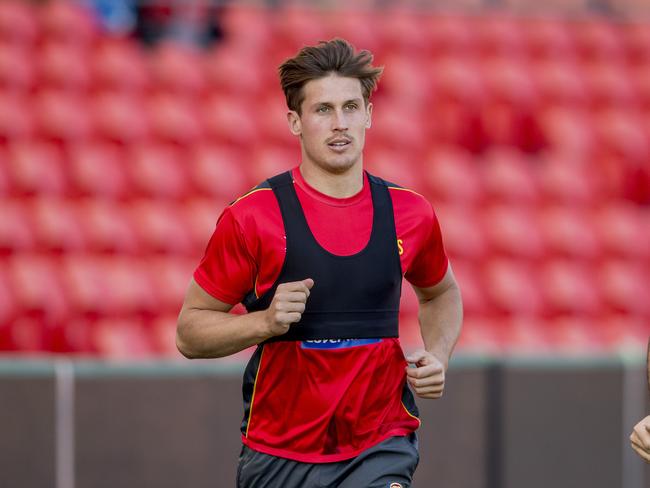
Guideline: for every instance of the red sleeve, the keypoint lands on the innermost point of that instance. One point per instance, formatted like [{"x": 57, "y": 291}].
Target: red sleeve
[
  {"x": 227, "y": 269},
  {"x": 430, "y": 263}
]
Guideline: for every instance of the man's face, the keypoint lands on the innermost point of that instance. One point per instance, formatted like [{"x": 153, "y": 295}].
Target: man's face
[{"x": 333, "y": 123}]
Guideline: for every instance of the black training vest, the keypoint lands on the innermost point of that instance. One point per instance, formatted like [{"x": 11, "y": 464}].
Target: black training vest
[{"x": 353, "y": 297}]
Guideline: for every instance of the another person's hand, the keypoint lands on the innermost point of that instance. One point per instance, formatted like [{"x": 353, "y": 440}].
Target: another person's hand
[
  {"x": 287, "y": 305},
  {"x": 427, "y": 378},
  {"x": 640, "y": 438}
]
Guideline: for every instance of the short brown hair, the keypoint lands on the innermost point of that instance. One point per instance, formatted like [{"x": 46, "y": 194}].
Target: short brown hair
[{"x": 335, "y": 56}]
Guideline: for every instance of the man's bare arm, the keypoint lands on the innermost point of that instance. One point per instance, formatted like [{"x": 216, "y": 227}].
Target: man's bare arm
[
  {"x": 441, "y": 317},
  {"x": 206, "y": 329}
]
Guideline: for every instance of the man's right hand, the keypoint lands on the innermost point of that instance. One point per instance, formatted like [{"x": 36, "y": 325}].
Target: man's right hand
[{"x": 287, "y": 305}]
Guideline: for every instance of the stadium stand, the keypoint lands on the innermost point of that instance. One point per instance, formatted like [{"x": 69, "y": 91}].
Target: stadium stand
[{"x": 531, "y": 136}]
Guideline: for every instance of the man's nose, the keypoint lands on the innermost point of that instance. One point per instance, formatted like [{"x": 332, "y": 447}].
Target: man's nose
[{"x": 340, "y": 120}]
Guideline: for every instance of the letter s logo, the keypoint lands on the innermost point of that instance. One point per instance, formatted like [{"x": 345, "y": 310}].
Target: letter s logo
[{"x": 400, "y": 249}]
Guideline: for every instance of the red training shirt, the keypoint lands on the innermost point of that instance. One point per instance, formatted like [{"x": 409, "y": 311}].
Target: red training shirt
[{"x": 362, "y": 384}]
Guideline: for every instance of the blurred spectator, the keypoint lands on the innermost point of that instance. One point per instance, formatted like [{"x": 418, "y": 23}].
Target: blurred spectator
[{"x": 190, "y": 21}]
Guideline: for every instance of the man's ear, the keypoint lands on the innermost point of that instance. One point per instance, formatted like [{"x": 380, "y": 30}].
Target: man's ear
[
  {"x": 368, "y": 115},
  {"x": 295, "y": 124}
]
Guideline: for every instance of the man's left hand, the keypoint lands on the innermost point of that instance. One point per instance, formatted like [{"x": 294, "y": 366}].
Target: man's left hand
[
  {"x": 640, "y": 438},
  {"x": 427, "y": 378}
]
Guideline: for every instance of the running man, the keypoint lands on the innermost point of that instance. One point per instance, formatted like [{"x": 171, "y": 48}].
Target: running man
[{"x": 317, "y": 256}]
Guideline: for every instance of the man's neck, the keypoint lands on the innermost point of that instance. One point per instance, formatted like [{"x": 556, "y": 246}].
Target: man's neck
[{"x": 336, "y": 185}]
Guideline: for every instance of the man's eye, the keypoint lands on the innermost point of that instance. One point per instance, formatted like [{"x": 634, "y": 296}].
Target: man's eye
[
  {"x": 323, "y": 109},
  {"x": 351, "y": 106}
]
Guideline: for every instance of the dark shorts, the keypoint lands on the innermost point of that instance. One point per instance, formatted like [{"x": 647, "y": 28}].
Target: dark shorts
[{"x": 389, "y": 464}]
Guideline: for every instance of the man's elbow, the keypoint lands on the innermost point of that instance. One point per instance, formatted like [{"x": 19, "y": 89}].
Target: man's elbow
[{"x": 182, "y": 344}]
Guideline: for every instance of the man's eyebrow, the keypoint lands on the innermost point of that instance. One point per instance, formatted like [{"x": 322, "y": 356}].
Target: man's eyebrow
[{"x": 330, "y": 104}]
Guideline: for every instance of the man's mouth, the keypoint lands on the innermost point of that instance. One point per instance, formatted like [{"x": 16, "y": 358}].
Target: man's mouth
[{"x": 338, "y": 143}]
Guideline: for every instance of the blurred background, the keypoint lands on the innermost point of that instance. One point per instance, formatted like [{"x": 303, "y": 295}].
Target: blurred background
[{"x": 126, "y": 126}]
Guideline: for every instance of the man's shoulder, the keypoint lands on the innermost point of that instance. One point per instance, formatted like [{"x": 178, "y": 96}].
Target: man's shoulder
[{"x": 408, "y": 201}]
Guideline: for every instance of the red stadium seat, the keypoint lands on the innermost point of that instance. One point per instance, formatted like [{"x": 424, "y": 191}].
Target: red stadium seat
[
  {"x": 548, "y": 39},
  {"x": 451, "y": 176},
  {"x": 120, "y": 118},
  {"x": 462, "y": 232},
  {"x": 396, "y": 166},
  {"x": 129, "y": 289},
  {"x": 625, "y": 333},
  {"x": 170, "y": 278},
  {"x": 527, "y": 335},
  {"x": 16, "y": 229},
  {"x": 576, "y": 335},
  {"x": 162, "y": 336},
  {"x": 295, "y": 27},
  {"x": 566, "y": 179},
  {"x": 272, "y": 121},
  {"x": 227, "y": 121},
  {"x": 16, "y": 68},
  {"x": 450, "y": 36},
  {"x": 122, "y": 338},
  {"x": 569, "y": 288},
  {"x": 247, "y": 25},
  {"x": 458, "y": 100},
  {"x": 57, "y": 225},
  {"x": 407, "y": 85},
  {"x": 568, "y": 131},
  {"x": 609, "y": 85},
  {"x": 569, "y": 233},
  {"x": 513, "y": 231},
  {"x": 85, "y": 285},
  {"x": 98, "y": 170},
  {"x": 8, "y": 310},
  {"x": 68, "y": 21},
  {"x": 271, "y": 160},
  {"x": 120, "y": 65},
  {"x": 469, "y": 279},
  {"x": 357, "y": 26},
  {"x": 63, "y": 66},
  {"x": 636, "y": 39},
  {"x": 499, "y": 37},
  {"x": 62, "y": 117},
  {"x": 37, "y": 287},
  {"x": 481, "y": 335},
  {"x": 403, "y": 32},
  {"x": 179, "y": 69},
  {"x": 509, "y": 113},
  {"x": 160, "y": 227},
  {"x": 560, "y": 82},
  {"x": 598, "y": 40},
  {"x": 399, "y": 129},
  {"x": 219, "y": 171},
  {"x": 107, "y": 227},
  {"x": 156, "y": 170},
  {"x": 229, "y": 71},
  {"x": 18, "y": 23},
  {"x": 16, "y": 122},
  {"x": 174, "y": 119},
  {"x": 623, "y": 231},
  {"x": 512, "y": 287},
  {"x": 29, "y": 162},
  {"x": 5, "y": 182},
  {"x": 509, "y": 177},
  {"x": 201, "y": 216},
  {"x": 624, "y": 286}
]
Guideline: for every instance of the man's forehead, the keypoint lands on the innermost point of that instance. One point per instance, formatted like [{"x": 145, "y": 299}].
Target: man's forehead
[{"x": 332, "y": 88}]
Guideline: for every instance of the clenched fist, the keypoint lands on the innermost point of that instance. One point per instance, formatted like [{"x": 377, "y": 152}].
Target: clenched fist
[
  {"x": 427, "y": 378},
  {"x": 287, "y": 305},
  {"x": 640, "y": 438}
]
